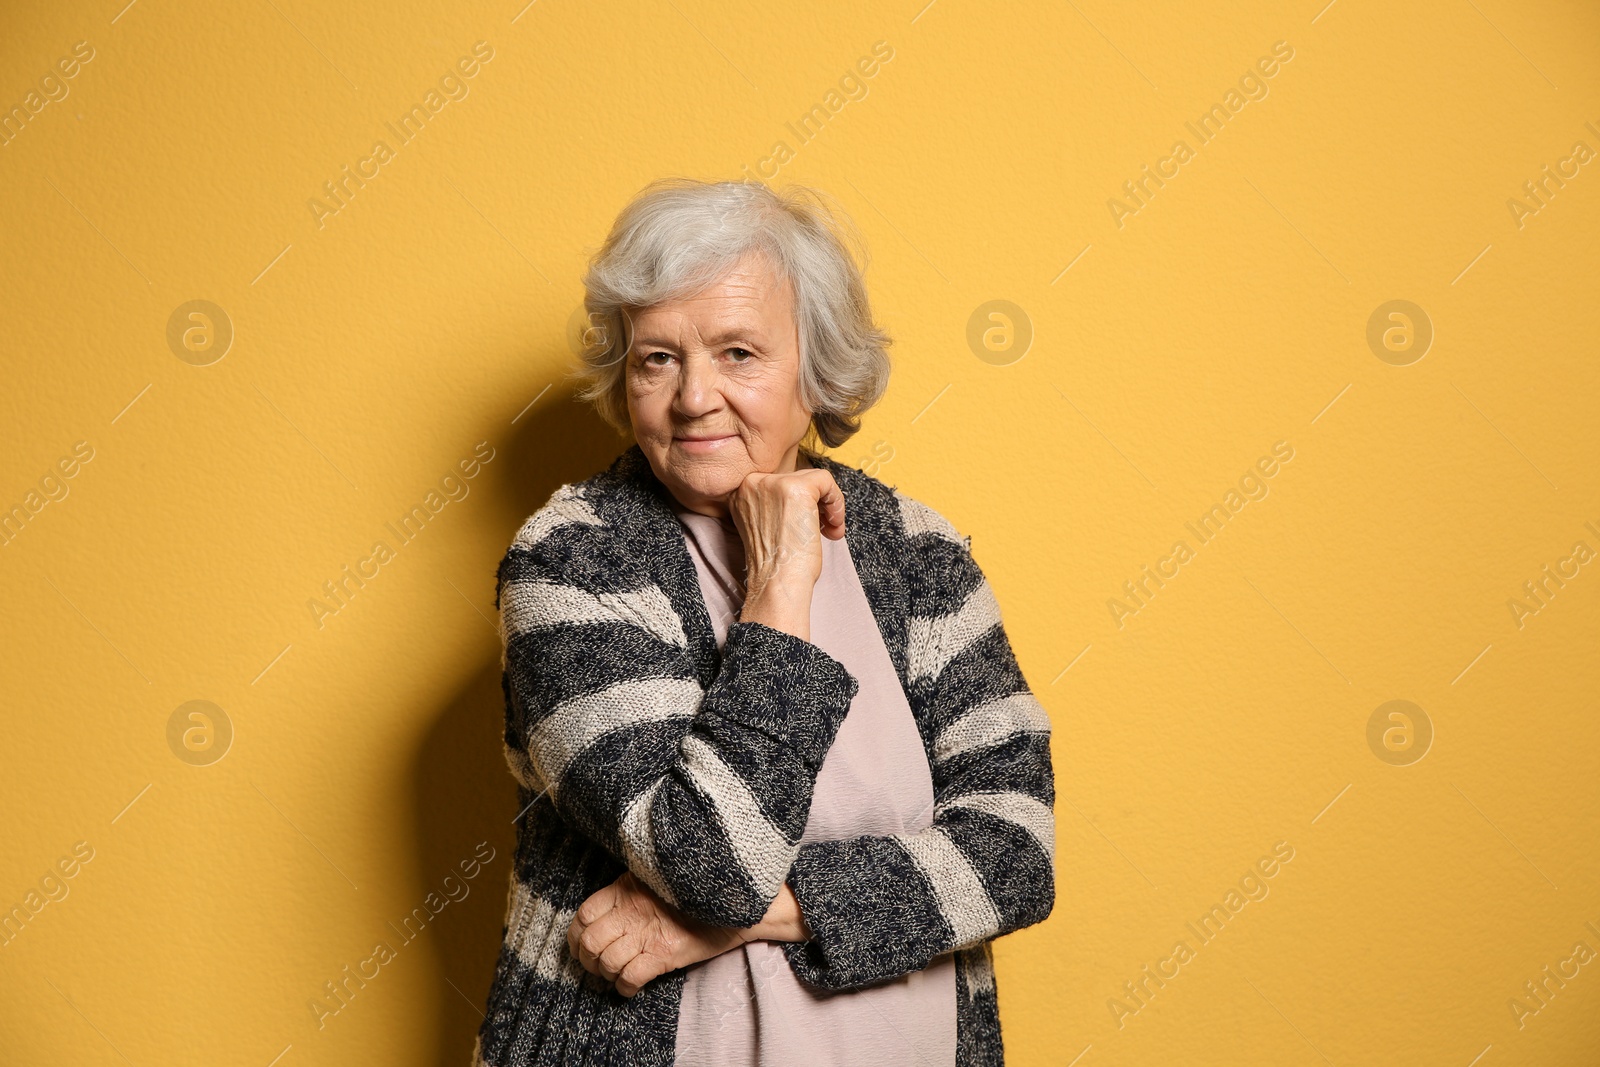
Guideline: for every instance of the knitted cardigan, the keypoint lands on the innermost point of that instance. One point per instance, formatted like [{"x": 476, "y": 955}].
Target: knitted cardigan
[{"x": 637, "y": 745}]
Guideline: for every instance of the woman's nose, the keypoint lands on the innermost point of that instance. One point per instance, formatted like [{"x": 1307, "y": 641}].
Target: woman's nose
[{"x": 700, "y": 386}]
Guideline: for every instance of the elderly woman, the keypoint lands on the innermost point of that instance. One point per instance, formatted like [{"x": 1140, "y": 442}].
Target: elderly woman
[{"x": 781, "y": 779}]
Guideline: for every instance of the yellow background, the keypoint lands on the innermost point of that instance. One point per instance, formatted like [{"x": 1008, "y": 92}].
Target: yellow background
[{"x": 372, "y": 352}]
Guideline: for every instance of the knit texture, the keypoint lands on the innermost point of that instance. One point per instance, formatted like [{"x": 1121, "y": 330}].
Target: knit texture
[{"x": 637, "y": 744}]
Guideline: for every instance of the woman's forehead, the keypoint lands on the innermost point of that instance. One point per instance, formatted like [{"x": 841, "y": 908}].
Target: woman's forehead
[{"x": 740, "y": 304}]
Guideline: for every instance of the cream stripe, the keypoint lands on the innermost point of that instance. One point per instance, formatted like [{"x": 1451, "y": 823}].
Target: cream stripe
[
  {"x": 980, "y": 970},
  {"x": 934, "y": 642},
  {"x": 540, "y": 933},
  {"x": 562, "y": 736},
  {"x": 529, "y": 604},
  {"x": 759, "y": 846},
  {"x": 639, "y": 842},
  {"x": 522, "y": 768},
  {"x": 1017, "y": 808},
  {"x": 991, "y": 723},
  {"x": 564, "y": 507},
  {"x": 919, "y": 518},
  {"x": 963, "y": 900}
]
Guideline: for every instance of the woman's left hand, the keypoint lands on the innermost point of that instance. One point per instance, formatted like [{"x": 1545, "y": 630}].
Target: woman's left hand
[{"x": 627, "y": 935}]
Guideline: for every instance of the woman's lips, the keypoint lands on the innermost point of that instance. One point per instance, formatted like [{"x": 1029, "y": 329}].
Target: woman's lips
[{"x": 703, "y": 445}]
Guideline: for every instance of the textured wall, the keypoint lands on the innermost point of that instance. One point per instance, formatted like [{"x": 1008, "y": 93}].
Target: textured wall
[{"x": 1330, "y": 271}]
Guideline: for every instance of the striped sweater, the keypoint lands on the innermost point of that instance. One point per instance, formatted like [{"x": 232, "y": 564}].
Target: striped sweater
[{"x": 637, "y": 744}]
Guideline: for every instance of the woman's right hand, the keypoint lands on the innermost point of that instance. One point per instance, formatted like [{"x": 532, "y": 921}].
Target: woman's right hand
[{"x": 782, "y": 518}]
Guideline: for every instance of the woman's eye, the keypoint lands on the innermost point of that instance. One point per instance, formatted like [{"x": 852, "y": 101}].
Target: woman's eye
[
  {"x": 745, "y": 351},
  {"x": 649, "y": 356}
]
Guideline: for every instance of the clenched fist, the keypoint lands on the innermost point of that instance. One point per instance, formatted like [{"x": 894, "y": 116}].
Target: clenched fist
[{"x": 781, "y": 519}]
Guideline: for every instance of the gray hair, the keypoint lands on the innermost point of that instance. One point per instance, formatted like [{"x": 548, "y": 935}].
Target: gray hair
[{"x": 679, "y": 235}]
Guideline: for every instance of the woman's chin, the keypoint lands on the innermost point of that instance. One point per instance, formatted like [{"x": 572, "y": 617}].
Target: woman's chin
[{"x": 708, "y": 477}]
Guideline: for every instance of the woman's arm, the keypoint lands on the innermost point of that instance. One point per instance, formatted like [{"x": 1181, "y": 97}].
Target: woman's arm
[
  {"x": 703, "y": 793},
  {"x": 879, "y": 906},
  {"x": 869, "y": 908}
]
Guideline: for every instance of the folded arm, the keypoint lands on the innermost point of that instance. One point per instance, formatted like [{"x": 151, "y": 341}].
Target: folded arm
[
  {"x": 703, "y": 793},
  {"x": 879, "y": 906}
]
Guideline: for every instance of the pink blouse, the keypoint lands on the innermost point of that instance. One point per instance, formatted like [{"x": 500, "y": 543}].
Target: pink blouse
[{"x": 745, "y": 1007}]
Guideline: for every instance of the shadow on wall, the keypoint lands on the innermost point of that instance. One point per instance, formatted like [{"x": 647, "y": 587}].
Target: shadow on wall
[{"x": 464, "y": 791}]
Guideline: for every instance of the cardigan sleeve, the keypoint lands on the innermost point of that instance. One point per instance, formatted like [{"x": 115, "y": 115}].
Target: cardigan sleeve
[
  {"x": 880, "y": 906},
  {"x": 702, "y": 792}
]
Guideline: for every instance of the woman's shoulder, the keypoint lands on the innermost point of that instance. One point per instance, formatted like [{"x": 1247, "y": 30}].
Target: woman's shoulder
[
  {"x": 606, "y": 501},
  {"x": 580, "y": 537},
  {"x": 922, "y": 520},
  {"x": 566, "y": 506}
]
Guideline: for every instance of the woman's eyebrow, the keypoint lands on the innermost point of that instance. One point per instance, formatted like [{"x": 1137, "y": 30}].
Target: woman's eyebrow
[{"x": 744, "y": 332}]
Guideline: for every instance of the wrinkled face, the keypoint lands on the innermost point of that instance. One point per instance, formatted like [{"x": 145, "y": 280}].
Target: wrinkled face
[{"x": 713, "y": 384}]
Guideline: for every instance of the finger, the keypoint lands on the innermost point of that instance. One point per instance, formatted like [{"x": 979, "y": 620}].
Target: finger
[
  {"x": 598, "y": 937},
  {"x": 575, "y": 946},
  {"x": 575, "y": 932},
  {"x": 588, "y": 960},
  {"x": 830, "y": 507},
  {"x": 617, "y": 955},
  {"x": 598, "y": 903},
  {"x": 640, "y": 970},
  {"x": 578, "y": 939}
]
